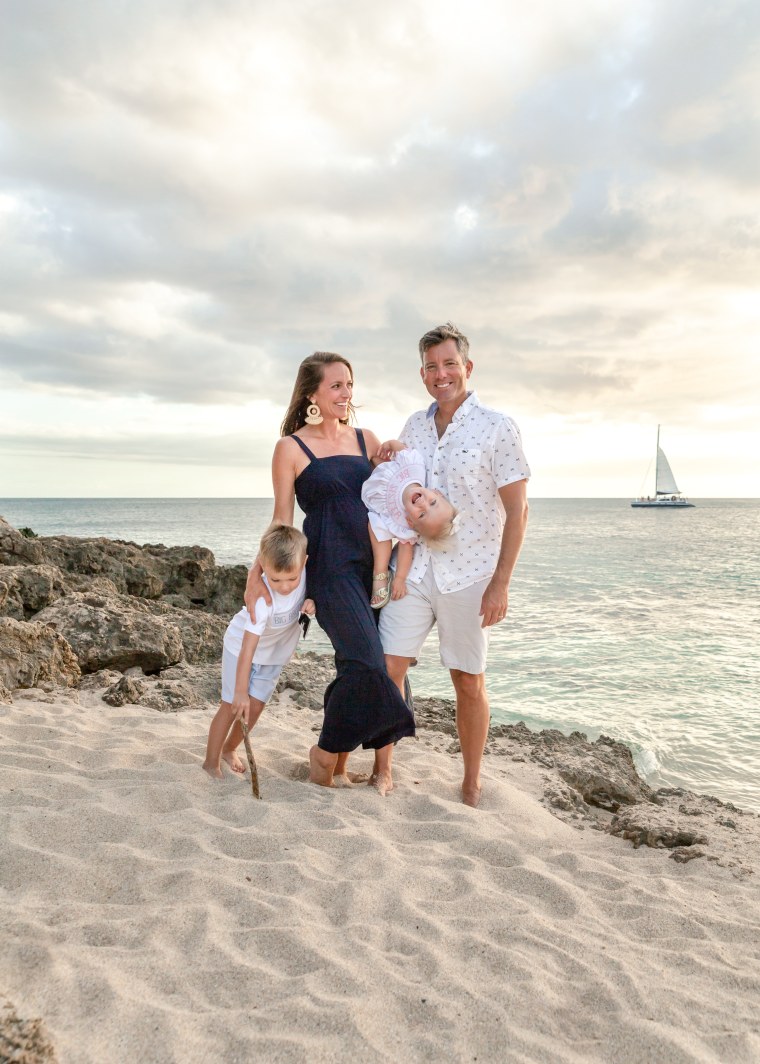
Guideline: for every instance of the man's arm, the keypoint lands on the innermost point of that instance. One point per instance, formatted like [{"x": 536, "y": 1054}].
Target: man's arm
[{"x": 493, "y": 606}]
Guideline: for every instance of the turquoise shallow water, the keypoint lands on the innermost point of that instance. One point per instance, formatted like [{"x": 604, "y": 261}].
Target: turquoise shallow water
[{"x": 640, "y": 624}]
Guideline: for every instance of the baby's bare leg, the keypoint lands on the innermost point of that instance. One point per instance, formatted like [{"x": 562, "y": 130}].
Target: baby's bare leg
[
  {"x": 235, "y": 737},
  {"x": 381, "y": 556}
]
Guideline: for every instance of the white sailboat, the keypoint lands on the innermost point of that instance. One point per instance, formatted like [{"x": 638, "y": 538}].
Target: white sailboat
[{"x": 666, "y": 493}]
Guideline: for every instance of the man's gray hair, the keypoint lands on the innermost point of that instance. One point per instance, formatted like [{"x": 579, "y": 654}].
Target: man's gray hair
[{"x": 448, "y": 331}]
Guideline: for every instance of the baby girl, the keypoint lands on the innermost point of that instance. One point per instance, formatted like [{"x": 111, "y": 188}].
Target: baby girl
[{"x": 401, "y": 507}]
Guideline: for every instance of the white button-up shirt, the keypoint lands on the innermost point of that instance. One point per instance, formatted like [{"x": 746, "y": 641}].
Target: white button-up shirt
[{"x": 480, "y": 452}]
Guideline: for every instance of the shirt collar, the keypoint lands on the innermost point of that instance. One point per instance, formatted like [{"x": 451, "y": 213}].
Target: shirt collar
[{"x": 461, "y": 411}]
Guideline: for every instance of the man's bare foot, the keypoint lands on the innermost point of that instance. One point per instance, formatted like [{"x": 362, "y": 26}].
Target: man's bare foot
[
  {"x": 342, "y": 779},
  {"x": 234, "y": 762},
  {"x": 321, "y": 767},
  {"x": 213, "y": 770},
  {"x": 471, "y": 794},
  {"x": 382, "y": 782}
]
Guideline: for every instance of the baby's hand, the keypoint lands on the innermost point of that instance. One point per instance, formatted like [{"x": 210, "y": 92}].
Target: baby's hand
[
  {"x": 240, "y": 706},
  {"x": 386, "y": 450},
  {"x": 309, "y": 607},
  {"x": 398, "y": 588}
]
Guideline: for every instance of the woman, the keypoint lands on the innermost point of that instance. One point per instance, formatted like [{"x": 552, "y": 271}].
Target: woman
[{"x": 322, "y": 462}]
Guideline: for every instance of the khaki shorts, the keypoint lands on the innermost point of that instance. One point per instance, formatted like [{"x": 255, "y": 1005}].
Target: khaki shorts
[{"x": 405, "y": 624}]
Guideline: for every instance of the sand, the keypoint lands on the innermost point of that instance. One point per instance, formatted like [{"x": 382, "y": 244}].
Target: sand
[{"x": 151, "y": 914}]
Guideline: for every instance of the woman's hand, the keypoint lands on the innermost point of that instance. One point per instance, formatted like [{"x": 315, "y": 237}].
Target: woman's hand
[
  {"x": 386, "y": 450},
  {"x": 255, "y": 588}
]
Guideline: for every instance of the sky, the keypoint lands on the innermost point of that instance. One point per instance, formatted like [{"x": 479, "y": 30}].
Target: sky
[{"x": 195, "y": 195}]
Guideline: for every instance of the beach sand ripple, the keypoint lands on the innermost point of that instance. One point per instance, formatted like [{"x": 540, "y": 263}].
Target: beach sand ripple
[{"x": 152, "y": 914}]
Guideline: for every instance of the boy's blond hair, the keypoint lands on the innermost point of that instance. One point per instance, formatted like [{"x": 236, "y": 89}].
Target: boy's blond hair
[{"x": 282, "y": 548}]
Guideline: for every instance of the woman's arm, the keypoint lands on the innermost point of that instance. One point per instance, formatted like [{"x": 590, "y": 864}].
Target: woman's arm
[{"x": 283, "y": 482}]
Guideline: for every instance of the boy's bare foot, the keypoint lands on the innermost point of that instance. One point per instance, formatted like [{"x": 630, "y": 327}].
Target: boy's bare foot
[
  {"x": 321, "y": 767},
  {"x": 471, "y": 794},
  {"x": 234, "y": 762},
  {"x": 382, "y": 782},
  {"x": 213, "y": 770},
  {"x": 342, "y": 780}
]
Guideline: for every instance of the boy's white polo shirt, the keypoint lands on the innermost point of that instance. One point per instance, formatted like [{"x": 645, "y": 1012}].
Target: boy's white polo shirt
[
  {"x": 480, "y": 452},
  {"x": 276, "y": 626}
]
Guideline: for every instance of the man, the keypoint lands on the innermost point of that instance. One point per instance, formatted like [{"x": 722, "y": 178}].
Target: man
[{"x": 474, "y": 456}]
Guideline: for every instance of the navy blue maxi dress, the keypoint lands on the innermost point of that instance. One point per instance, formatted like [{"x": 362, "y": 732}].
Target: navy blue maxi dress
[{"x": 362, "y": 704}]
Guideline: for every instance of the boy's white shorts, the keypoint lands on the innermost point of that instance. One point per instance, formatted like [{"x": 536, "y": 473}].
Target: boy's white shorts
[
  {"x": 406, "y": 622},
  {"x": 262, "y": 683}
]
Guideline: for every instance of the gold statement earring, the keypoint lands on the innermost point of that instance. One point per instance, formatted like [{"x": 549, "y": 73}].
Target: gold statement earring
[{"x": 313, "y": 415}]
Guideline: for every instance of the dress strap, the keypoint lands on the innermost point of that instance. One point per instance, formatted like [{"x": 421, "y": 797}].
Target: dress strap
[
  {"x": 362, "y": 444},
  {"x": 304, "y": 448}
]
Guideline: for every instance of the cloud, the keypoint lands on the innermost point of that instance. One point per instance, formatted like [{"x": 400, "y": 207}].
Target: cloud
[{"x": 195, "y": 196}]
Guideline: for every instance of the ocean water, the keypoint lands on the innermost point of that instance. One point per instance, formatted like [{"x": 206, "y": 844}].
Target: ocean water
[{"x": 639, "y": 624}]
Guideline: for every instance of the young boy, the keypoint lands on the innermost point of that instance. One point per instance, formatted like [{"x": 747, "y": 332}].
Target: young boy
[{"x": 254, "y": 654}]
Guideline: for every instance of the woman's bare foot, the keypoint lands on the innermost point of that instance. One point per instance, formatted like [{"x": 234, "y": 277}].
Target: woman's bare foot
[
  {"x": 471, "y": 794},
  {"x": 321, "y": 767},
  {"x": 231, "y": 758},
  {"x": 213, "y": 770},
  {"x": 382, "y": 782}
]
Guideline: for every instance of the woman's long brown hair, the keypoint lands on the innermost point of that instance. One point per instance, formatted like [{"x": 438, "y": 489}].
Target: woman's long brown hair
[{"x": 310, "y": 375}]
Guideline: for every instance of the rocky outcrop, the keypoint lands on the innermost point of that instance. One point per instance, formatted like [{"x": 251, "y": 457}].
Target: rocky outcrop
[
  {"x": 167, "y": 696},
  {"x": 121, "y": 632},
  {"x": 114, "y": 633},
  {"x": 152, "y": 570},
  {"x": 26, "y": 589},
  {"x": 306, "y": 677},
  {"x": 145, "y": 572},
  {"x": 16, "y": 549},
  {"x": 35, "y": 655}
]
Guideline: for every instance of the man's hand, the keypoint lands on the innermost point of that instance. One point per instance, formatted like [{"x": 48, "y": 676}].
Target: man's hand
[
  {"x": 493, "y": 605},
  {"x": 255, "y": 588}
]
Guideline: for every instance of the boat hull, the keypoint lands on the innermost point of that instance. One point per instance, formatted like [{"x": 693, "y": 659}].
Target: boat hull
[{"x": 663, "y": 504}]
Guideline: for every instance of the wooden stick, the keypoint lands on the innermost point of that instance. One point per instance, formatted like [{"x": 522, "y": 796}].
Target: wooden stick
[{"x": 251, "y": 761}]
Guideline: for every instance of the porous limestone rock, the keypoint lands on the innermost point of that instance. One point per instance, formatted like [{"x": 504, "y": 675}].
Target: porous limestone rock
[
  {"x": 167, "y": 696},
  {"x": 33, "y": 654},
  {"x": 120, "y": 631},
  {"x": 307, "y": 675},
  {"x": 26, "y": 589},
  {"x": 109, "y": 632},
  {"x": 16, "y": 549}
]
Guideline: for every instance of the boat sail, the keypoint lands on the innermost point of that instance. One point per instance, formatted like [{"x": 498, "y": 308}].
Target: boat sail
[{"x": 666, "y": 493}]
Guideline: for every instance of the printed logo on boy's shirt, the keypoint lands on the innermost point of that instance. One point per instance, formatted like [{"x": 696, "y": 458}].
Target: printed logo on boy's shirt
[{"x": 280, "y": 620}]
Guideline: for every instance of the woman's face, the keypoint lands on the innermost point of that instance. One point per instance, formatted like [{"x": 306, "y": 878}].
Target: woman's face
[{"x": 334, "y": 393}]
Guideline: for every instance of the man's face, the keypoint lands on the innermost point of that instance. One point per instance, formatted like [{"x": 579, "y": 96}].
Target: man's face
[{"x": 444, "y": 374}]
